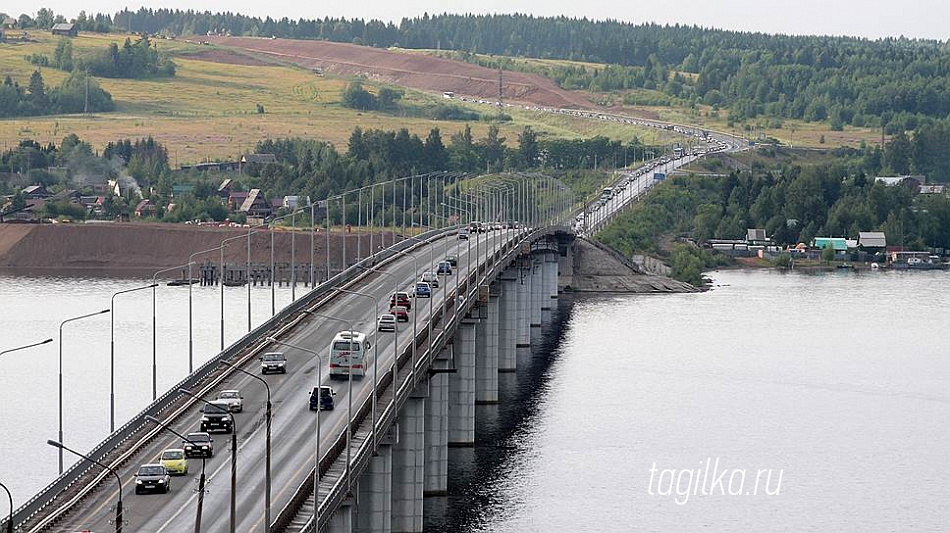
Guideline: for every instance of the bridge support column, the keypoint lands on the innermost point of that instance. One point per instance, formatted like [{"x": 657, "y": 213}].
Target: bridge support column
[
  {"x": 508, "y": 323},
  {"x": 548, "y": 277},
  {"x": 375, "y": 489},
  {"x": 437, "y": 429},
  {"x": 551, "y": 262},
  {"x": 524, "y": 308},
  {"x": 409, "y": 465},
  {"x": 342, "y": 519},
  {"x": 486, "y": 353},
  {"x": 462, "y": 387},
  {"x": 537, "y": 280}
]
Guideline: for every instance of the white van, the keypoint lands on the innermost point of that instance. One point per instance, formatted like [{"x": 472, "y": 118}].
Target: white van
[{"x": 348, "y": 355}]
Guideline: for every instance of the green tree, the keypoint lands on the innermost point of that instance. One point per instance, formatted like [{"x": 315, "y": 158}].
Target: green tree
[
  {"x": 37, "y": 89},
  {"x": 528, "y": 148},
  {"x": 828, "y": 253},
  {"x": 356, "y": 97}
]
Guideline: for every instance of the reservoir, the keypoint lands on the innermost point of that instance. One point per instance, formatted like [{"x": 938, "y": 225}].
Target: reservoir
[
  {"x": 840, "y": 381},
  {"x": 622, "y": 416}
]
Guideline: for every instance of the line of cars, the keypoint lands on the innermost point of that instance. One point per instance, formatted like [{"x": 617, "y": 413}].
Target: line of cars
[
  {"x": 215, "y": 416},
  {"x": 400, "y": 303}
]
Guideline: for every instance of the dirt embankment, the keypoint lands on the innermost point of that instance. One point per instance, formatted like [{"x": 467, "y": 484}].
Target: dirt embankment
[
  {"x": 142, "y": 249},
  {"x": 418, "y": 71},
  {"x": 601, "y": 270}
]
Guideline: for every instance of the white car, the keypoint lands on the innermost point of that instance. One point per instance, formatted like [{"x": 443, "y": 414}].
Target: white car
[
  {"x": 431, "y": 278},
  {"x": 234, "y": 400}
]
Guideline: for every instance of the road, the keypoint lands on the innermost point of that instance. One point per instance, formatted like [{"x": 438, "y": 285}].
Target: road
[{"x": 293, "y": 422}]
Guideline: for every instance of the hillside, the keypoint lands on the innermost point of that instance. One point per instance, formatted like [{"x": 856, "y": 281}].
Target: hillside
[{"x": 208, "y": 110}]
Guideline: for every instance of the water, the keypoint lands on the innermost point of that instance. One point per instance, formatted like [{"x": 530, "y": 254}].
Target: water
[
  {"x": 840, "y": 382},
  {"x": 31, "y": 309}
]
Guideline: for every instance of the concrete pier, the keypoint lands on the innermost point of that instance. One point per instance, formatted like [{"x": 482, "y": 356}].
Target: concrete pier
[
  {"x": 342, "y": 519},
  {"x": 462, "y": 387},
  {"x": 537, "y": 282},
  {"x": 508, "y": 322},
  {"x": 408, "y": 465},
  {"x": 486, "y": 354},
  {"x": 437, "y": 429},
  {"x": 375, "y": 490},
  {"x": 548, "y": 277},
  {"x": 523, "y": 336},
  {"x": 551, "y": 262}
]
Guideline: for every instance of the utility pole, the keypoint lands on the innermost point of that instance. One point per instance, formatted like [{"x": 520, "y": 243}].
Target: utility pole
[
  {"x": 85, "y": 106},
  {"x": 499, "y": 87}
]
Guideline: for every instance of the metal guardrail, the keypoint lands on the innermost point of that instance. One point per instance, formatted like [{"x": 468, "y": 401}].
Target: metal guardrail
[
  {"x": 490, "y": 268},
  {"x": 83, "y": 471}
]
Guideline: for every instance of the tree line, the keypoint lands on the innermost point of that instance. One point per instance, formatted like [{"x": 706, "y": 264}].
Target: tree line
[
  {"x": 77, "y": 93},
  {"x": 139, "y": 59}
]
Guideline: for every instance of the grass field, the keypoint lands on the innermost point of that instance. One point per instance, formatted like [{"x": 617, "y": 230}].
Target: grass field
[
  {"x": 792, "y": 132},
  {"x": 208, "y": 111}
]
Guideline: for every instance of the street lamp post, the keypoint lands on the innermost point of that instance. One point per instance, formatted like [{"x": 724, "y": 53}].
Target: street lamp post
[
  {"x": 9, "y": 527},
  {"x": 267, "y": 441},
  {"x": 47, "y": 341},
  {"x": 118, "y": 507},
  {"x": 63, "y": 323},
  {"x": 316, "y": 469},
  {"x": 191, "y": 339},
  {"x": 155, "y": 333},
  {"x": 201, "y": 479},
  {"x": 375, "y": 354},
  {"x": 112, "y": 354},
  {"x": 234, "y": 430},
  {"x": 248, "y": 276}
]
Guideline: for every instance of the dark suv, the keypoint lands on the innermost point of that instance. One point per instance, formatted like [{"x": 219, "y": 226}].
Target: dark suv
[
  {"x": 216, "y": 416},
  {"x": 321, "y": 398},
  {"x": 198, "y": 445}
]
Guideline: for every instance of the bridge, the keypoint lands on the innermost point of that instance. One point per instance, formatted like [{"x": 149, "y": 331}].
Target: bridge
[{"x": 367, "y": 464}]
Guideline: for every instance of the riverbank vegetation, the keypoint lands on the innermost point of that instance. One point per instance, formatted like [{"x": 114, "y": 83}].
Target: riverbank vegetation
[{"x": 794, "y": 203}]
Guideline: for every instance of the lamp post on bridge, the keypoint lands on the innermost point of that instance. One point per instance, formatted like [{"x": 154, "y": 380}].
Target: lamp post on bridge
[
  {"x": 112, "y": 353},
  {"x": 154, "y": 330},
  {"x": 63, "y": 323},
  {"x": 234, "y": 431},
  {"x": 267, "y": 441},
  {"x": 118, "y": 507},
  {"x": 247, "y": 279},
  {"x": 9, "y": 527},
  {"x": 201, "y": 479},
  {"x": 191, "y": 338}
]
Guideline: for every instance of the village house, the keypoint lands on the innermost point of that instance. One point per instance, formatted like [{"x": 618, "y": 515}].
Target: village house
[
  {"x": 65, "y": 29},
  {"x": 145, "y": 208},
  {"x": 256, "y": 206}
]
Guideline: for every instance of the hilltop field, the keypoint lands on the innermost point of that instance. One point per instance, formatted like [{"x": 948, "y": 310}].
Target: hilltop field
[{"x": 209, "y": 110}]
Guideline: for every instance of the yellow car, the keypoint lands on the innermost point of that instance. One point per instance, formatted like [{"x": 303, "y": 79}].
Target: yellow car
[{"x": 174, "y": 461}]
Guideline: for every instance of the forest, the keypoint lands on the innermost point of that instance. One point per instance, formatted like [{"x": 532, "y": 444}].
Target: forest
[{"x": 896, "y": 83}]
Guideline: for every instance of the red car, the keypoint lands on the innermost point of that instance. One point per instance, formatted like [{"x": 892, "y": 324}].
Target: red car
[
  {"x": 401, "y": 299},
  {"x": 400, "y": 312}
]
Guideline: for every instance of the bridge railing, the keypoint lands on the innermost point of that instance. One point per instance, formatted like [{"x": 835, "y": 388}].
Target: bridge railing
[
  {"x": 75, "y": 482},
  {"x": 484, "y": 272}
]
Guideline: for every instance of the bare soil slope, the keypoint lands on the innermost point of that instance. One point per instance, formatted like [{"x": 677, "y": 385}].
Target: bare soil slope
[
  {"x": 410, "y": 70},
  {"x": 142, "y": 249}
]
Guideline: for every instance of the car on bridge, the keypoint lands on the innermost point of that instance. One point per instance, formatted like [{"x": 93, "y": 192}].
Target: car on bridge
[
  {"x": 216, "y": 415},
  {"x": 423, "y": 290},
  {"x": 234, "y": 399},
  {"x": 452, "y": 259},
  {"x": 463, "y": 235},
  {"x": 386, "y": 322},
  {"x": 152, "y": 478},
  {"x": 198, "y": 444},
  {"x": 174, "y": 461},
  {"x": 321, "y": 398},
  {"x": 401, "y": 299},
  {"x": 400, "y": 313},
  {"x": 444, "y": 268},
  {"x": 431, "y": 278},
  {"x": 273, "y": 362}
]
